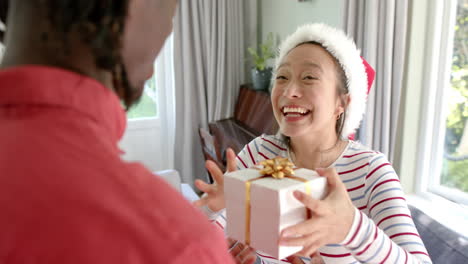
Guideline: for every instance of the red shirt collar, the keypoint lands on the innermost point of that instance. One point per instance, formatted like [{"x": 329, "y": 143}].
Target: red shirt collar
[{"x": 41, "y": 85}]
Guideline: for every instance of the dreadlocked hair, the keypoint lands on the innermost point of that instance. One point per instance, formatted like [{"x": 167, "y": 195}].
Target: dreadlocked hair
[{"x": 101, "y": 25}]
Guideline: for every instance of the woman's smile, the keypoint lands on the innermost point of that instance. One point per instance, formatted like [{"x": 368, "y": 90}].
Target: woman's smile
[{"x": 294, "y": 113}]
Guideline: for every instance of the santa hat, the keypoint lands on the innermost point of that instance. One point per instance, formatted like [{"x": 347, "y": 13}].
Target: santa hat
[{"x": 359, "y": 74}]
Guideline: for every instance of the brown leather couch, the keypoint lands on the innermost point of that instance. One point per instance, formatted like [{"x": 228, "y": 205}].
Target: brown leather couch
[{"x": 253, "y": 116}]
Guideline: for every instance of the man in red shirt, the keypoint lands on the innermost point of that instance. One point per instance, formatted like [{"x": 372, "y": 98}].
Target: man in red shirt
[{"x": 65, "y": 194}]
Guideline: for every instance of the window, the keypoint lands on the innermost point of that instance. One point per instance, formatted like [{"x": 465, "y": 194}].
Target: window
[
  {"x": 452, "y": 180},
  {"x": 445, "y": 145},
  {"x": 150, "y": 128},
  {"x": 147, "y": 105}
]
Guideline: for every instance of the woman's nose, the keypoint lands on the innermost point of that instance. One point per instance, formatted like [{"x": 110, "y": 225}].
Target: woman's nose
[{"x": 292, "y": 90}]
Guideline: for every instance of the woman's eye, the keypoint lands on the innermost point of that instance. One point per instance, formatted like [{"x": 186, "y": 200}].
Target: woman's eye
[
  {"x": 281, "y": 77},
  {"x": 309, "y": 77}
]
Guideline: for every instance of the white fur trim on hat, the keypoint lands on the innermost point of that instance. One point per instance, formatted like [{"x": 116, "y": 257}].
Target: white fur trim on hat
[{"x": 344, "y": 50}]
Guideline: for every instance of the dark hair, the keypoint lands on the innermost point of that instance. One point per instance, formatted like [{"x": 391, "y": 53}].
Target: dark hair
[
  {"x": 342, "y": 89},
  {"x": 101, "y": 24},
  {"x": 3, "y": 16}
]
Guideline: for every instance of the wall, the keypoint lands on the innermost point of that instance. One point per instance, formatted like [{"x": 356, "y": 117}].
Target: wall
[
  {"x": 141, "y": 143},
  {"x": 282, "y": 17}
]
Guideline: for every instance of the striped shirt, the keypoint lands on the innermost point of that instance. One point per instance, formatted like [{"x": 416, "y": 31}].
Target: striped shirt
[{"x": 382, "y": 231}]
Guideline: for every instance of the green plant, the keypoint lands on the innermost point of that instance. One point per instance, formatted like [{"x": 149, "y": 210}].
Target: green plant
[
  {"x": 264, "y": 52},
  {"x": 454, "y": 174}
]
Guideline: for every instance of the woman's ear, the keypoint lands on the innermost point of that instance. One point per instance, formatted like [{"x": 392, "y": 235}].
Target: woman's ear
[{"x": 343, "y": 103}]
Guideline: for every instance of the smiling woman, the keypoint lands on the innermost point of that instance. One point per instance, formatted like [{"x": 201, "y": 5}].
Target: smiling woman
[
  {"x": 306, "y": 82},
  {"x": 319, "y": 97}
]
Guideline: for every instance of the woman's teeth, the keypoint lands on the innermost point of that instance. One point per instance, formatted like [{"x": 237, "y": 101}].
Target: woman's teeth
[{"x": 295, "y": 111}]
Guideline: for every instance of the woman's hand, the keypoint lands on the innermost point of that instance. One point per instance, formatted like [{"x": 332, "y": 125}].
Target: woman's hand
[
  {"x": 214, "y": 197},
  {"x": 241, "y": 253},
  {"x": 295, "y": 260},
  {"x": 331, "y": 218},
  {"x": 315, "y": 259}
]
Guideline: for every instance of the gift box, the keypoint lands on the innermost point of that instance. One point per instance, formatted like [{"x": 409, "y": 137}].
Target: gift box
[{"x": 259, "y": 205}]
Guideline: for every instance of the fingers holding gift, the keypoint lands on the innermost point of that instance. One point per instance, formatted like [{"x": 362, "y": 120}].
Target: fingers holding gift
[
  {"x": 209, "y": 189},
  {"x": 316, "y": 206},
  {"x": 215, "y": 192},
  {"x": 231, "y": 243},
  {"x": 246, "y": 256},
  {"x": 316, "y": 258},
  {"x": 310, "y": 249},
  {"x": 242, "y": 253},
  {"x": 217, "y": 177},
  {"x": 236, "y": 248},
  {"x": 333, "y": 179},
  {"x": 305, "y": 228},
  {"x": 308, "y": 234},
  {"x": 295, "y": 260},
  {"x": 334, "y": 214},
  {"x": 231, "y": 160},
  {"x": 299, "y": 240},
  {"x": 201, "y": 202},
  {"x": 215, "y": 172},
  {"x": 205, "y": 187}
]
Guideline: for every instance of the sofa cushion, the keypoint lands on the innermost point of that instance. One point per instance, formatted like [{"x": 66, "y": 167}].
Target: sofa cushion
[{"x": 443, "y": 244}]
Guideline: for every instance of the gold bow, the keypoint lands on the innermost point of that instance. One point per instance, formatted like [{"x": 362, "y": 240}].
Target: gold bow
[{"x": 277, "y": 167}]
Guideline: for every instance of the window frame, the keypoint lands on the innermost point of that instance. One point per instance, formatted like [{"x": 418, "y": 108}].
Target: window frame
[{"x": 441, "y": 20}]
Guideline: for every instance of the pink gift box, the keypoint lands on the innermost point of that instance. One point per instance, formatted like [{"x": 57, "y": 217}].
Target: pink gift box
[{"x": 272, "y": 207}]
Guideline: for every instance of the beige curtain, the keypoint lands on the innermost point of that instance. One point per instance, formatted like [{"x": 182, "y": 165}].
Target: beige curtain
[
  {"x": 379, "y": 29},
  {"x": 208, "y": 70}
]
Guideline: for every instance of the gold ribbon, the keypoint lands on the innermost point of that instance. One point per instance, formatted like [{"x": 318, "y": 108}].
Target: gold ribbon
[{"x": 277, "y": 168}]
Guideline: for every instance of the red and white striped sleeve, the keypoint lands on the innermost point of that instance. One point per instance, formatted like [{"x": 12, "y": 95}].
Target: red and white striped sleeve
[
  {"x": 249, "y": 155},
  {"x": 385, "y": 231}
]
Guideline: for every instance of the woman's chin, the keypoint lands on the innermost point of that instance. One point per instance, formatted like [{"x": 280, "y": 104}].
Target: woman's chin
[
  {"x": 292, "y": 132},
  {"x": 297, "y": 130}
]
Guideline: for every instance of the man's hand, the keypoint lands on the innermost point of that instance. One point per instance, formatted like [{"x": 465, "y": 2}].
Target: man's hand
[{"x": 241, "y": 253}]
